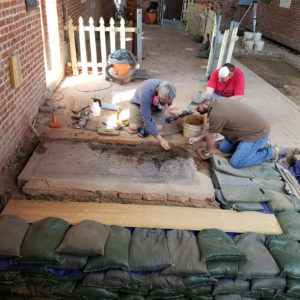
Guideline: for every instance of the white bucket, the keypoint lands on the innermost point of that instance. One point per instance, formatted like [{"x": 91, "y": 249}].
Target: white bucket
[
  {"x": 248, "y": 45},
  {"x": 259, "y": 45},
  {"x": 192, "y": 127},
  {"x": 257, "y": 36},
  {"x": 248, "y": 35}
]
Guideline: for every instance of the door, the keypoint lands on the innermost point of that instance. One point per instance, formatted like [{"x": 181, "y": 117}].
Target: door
[{"x": 173, "y": 9}]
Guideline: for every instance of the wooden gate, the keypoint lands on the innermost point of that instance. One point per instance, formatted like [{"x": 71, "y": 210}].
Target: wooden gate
[{"x": 101, "y": 30}]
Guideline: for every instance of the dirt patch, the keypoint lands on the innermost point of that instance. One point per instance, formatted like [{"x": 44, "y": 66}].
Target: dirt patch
[
  {"x": 278, "y": 73},
  {"x": 11, "y": 171}
]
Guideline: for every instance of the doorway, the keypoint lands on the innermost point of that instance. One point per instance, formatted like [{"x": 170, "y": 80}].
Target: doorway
[{"x": 173, "y": 9}]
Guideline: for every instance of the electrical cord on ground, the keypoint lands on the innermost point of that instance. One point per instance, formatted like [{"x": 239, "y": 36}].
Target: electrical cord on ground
[{"x": 97, "y": 90}]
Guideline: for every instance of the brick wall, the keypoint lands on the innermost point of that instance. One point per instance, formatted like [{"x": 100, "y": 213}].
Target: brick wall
[
  {"x": 20, "y": 32},
  {"x": 275, "y": 22},
  {"x": 91, "y": 8}
]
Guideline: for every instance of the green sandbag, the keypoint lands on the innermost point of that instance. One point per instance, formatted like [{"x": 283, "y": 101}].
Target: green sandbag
[
  {"x": 13, "y": 230},
  {"x": 116, "y": 252},
  {"x": 95, "y": 292},
  {"x": 293, "y": 286},
  {"x": 166, "y": 282},
  {"x": 87, "y": 238},
  {"x": 8, "y": 276},
  {"x": 39, "y": 272},
  {"x": 94, "y": 279},
  {"x": 199, "y": 297},
  {"x": 290, "y": 223},
  {"x": 259, "y": 263},
  {"x": 263, "y": 170},
  {"x": 198, "y": 38},
  {"x": 286, "y": 252},
  {"x": 184, "y": 253},
  {"x": 71, "y": 262},
  {"x": 62, "y": 288},
  {"x": 280, "y": 202},
  {"x": 140, "y": 285},
  {"x": 149, "y": 250},
  {"x": 228, "y": 297},
  {"x": 216, "y": 245},
  {"x": 227, "y": 269},
  {"x": 42, "y": 238},
  {"x": 196, "y": 281},
  {"x": 131, "y": 297},
  {"x": 241, "y": 189},
  {"x": 203, "y": 54},
  {"x": 229, "y": 286},
  {"x": 205, "y": 46},
  {"x": 200, "y": 290},
  {"x": 238, "y": 206},
  {"x": 166, "y": 287},
  {"x": 157, "y": 293},
  {"x": 268, "y": 283},
  {"x": 117, "y": 279}
]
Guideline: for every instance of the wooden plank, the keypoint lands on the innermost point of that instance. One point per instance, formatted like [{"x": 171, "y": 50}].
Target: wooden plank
[
  {"x": 148, "y": 216},
  {"x": 93, "y": 46},
  {"x": 15, "y": 71},
  {"x": 103, "y": 45},
  {"x": 72, "y": 46},
  {"x": 82, "y": 47}
]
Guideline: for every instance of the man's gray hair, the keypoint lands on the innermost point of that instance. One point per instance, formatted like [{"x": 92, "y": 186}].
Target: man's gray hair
[
  {"x": 167, "y": 90},
  {"x": 199, "y": 98}
]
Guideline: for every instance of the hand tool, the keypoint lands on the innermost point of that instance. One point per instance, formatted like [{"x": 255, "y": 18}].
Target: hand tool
[
  {"x": 54, "y": 124},
  {"x": 180, "y": 115}
]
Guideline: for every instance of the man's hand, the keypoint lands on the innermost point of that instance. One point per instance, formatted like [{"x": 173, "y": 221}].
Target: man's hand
[
  {"x": 163, "y": 142},
  {"x": 198, "y": 139}
]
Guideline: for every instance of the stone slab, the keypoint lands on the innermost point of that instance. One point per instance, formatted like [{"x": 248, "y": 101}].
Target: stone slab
[{"x": 126, "y": 169}]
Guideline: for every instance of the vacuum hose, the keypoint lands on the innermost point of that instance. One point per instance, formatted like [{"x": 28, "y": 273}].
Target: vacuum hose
[{"x": 116, "y": 57}]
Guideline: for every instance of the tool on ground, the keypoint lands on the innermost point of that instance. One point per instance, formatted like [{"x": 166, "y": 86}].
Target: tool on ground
[
  {"x": 96, "y": 106},
  {"x": 183, "y": 114},
  {"x": 80, "y": 111},
  {"x": 81, "y": 121},
  {"x": 121, "y": 67},
  {"x": 54, "y": 124}
]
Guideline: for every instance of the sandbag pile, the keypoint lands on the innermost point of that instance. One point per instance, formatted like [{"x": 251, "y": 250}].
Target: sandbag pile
[
  {"x": 249, "y": 189},
  {"x": 50, "y": 259}
]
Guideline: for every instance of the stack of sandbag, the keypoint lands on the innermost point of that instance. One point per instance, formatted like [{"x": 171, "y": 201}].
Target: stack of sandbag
[
  {"x": 51, "y": 259},
  {"x": 250, "y": 188}
]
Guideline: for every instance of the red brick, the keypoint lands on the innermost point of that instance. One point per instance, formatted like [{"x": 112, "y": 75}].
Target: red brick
[
  {"x": 131, "y": 196},
  {"x": 155, "y": 197},
  {"x": 113, "y": 195},
  {"x": 176, "y": 198}
]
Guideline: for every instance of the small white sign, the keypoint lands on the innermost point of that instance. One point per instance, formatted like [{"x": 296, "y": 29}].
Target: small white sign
[{"x": 285, "y": 3}]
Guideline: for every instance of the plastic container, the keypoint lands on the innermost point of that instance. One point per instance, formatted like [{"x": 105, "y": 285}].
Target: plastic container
[
  {"x": 257, "y": 36},
  {"x": 248, "y": 35},
  {"x": 248, "y": 45},
  {"x": 259, "y": 45},
  {"x": 96, "y": 109},
  {"x": 192, "y": 127}
]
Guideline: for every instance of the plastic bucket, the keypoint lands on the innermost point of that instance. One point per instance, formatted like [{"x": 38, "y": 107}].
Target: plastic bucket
[
  {"x": 248, "y": 45},
  {"x": 257, "y": 36},
  {"x": 259, "y": 45},
  {"x": 248, "y": 35},
  {"x": 192, "y": 127}
]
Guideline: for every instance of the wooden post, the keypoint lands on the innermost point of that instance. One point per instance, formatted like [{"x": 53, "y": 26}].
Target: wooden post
[
  {"x": 122, "y": 34},
  {"x": 112, "y": 35},
  {"x": 103, "y": 45},
  {"x": 72, "y": 46},
  {"x": 82, "y": 47},
  {"x": 93, "y": 46}
]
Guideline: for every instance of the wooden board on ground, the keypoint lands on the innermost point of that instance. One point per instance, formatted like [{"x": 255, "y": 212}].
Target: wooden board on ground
[{"x": 147, "y": 216}]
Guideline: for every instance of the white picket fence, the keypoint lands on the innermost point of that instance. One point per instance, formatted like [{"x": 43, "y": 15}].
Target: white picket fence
[{"x": 101, "y": 30}]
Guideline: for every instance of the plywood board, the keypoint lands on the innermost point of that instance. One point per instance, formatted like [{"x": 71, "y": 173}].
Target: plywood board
[{"x": 148, "y": 216}]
